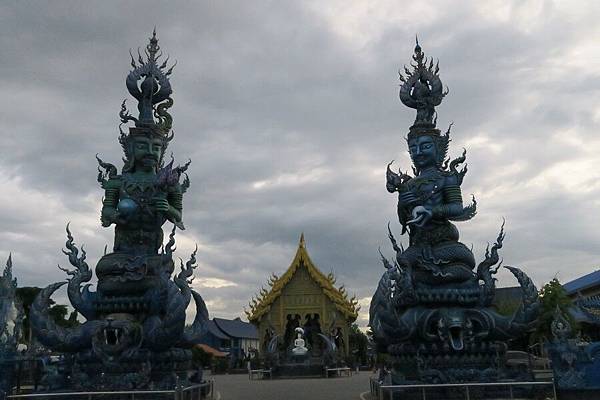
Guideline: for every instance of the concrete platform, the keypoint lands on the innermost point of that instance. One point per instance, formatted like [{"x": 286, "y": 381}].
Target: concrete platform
[{"x": 239, "y": 387}]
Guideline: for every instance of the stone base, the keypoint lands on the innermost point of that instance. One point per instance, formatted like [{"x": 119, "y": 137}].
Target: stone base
[
  {"x": 434, "y": 363},
  {"x": 142, "y": 370},
  {"x": 298, "y": 370}
]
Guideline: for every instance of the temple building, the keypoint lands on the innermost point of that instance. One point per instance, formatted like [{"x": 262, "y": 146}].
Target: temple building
[
  {"x": 585, "y": 286},
  {"x": 303, "y": 297}
]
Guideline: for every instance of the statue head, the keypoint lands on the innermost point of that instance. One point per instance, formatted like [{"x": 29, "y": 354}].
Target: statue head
[
  {"x": 428, "y": 147},
  {"x": 144, "y": 149},
  {"x": 147, "y": 152},
  {"x": 423, "y": 152}
]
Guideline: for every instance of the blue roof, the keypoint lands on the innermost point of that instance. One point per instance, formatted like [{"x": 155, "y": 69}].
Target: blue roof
[
  {"x": 215, "y": 331},
  {"x": 582, "y": 283},
  {"x": 236, "y": 328}
]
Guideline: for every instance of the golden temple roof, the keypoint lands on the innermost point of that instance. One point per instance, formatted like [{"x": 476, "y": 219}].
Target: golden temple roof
[{"x": 262, "y": 303}]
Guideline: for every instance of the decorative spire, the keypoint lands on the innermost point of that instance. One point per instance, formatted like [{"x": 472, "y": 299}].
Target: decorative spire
[
  {"x": 153, "y": 93},
  {"x": 302, "y": 241},
  {"x": 153, "y": 46},
  {"x": 560, "y": 326},
  {"x": 421, "y": 88},
  {"x": 8, "y": 269},
  {"x": 8, "y": 275},
  {"x": 419, "y": 55}
]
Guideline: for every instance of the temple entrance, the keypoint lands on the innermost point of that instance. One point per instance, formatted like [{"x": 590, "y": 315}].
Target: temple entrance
[{"x": 303, "y": 319}]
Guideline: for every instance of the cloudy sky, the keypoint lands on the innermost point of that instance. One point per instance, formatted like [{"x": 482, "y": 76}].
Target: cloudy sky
[{"x": 289, "y": 111}]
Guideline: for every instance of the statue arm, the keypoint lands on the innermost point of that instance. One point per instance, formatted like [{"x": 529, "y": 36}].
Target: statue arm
[
  {"x": 175, "y": 212},
  {"x": 109, "y": 212},
  {"x": 453, "y": 204}
]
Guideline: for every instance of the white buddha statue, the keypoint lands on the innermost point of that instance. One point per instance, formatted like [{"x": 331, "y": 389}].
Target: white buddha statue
[{"x": 299, "y": 344}]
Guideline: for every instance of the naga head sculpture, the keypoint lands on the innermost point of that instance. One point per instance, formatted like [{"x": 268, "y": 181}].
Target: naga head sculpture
[{"x": 118, "y": 337}]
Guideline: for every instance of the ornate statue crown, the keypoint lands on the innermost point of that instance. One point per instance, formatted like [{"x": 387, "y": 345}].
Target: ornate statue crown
[
  {"x": 422, "y": 90},
  {"x": 154, "y": 98},
  {"x": 153, "y": 94}
]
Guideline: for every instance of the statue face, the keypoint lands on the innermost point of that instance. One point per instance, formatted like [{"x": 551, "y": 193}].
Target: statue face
[
  {"x": 423, "y": 151},
  {"x": 147, "y": 152}
]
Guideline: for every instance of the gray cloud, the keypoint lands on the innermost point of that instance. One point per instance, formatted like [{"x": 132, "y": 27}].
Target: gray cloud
[{"x": 290, "y": 114}]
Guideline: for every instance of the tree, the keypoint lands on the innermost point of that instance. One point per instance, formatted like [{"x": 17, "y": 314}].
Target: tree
[
  {"x": 552, "y": 295},
  {"x": 26, "y": 296},
  {"x": 57, "y": 312},
  {"x": 358, "y": 342}
]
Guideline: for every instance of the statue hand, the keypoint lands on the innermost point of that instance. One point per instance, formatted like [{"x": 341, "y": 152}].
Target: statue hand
[
  {"x": 161, "y": 204},
  {"x": 112, "y": 217},
  {"x": 421, "y": 216},
  {"x": 408, "y": 197},
  {"x": 120, "y": 218},
  {"x": 117, "y": 218}
]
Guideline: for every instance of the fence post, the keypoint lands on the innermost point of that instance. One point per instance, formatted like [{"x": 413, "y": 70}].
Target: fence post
[
  {"x": 19, "y": 371},
  {"x": 424, "y": 395},
  {"x": 467, "y": 392}
]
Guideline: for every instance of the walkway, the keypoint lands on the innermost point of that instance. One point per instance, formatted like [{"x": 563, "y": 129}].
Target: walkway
[{"x": 239, "y": 387}]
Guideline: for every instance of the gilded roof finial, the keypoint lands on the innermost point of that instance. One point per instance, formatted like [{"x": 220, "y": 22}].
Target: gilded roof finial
[{"x": 302, "y": 241}]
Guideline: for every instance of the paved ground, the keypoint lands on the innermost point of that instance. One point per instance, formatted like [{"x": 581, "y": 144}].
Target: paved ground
[{"x": 239, "y": 387}]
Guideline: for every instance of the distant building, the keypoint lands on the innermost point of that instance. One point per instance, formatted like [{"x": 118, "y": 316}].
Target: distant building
[
  {"x": 585, "y": 292},
  {"x": 584, "y": 286},
  {"x": 303, "y": 297},
  {"x": 235, "y": 337},
  {"x": 215, "y": 338},
  {"x": 508, "y": 295}
]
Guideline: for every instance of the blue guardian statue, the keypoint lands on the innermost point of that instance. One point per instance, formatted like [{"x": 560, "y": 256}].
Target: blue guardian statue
[
  {"x": 432, "y": 308},
  {"x": 134, "y": 334}
]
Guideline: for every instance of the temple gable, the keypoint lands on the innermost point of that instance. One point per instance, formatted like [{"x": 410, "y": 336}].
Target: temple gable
[{"x": 305, "y": 296}]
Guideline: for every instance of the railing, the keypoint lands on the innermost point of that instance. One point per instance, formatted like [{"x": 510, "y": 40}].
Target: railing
[
  {"x": 28, "y": 371},
  {"x": 193, "y": 392},
  {"x": 338, "y": 371},
  {"x": 260, "y": 373},
  {"x": 379, "y": 391}
]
